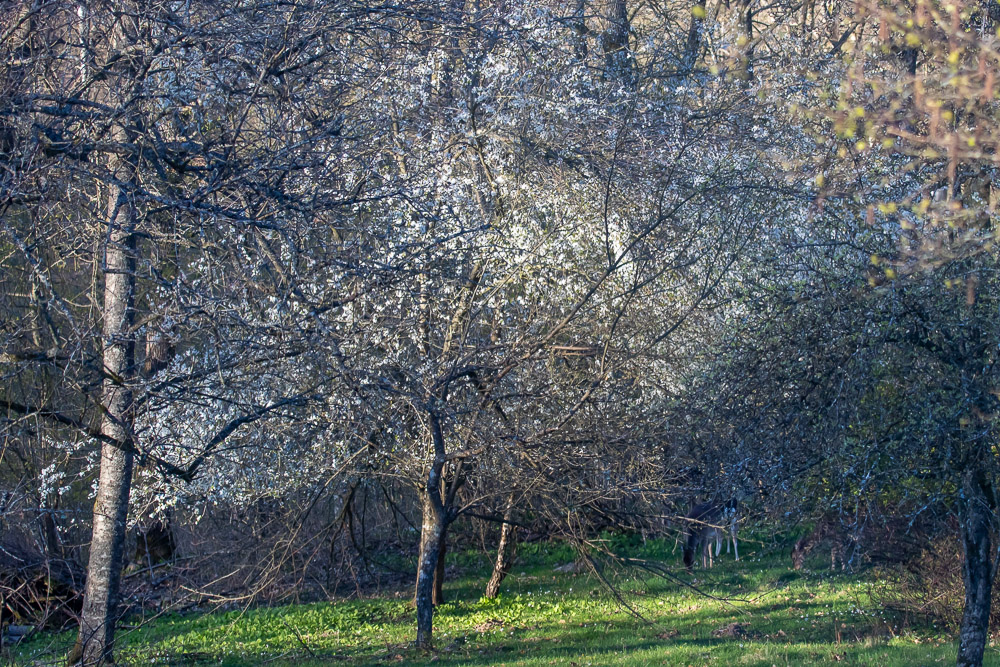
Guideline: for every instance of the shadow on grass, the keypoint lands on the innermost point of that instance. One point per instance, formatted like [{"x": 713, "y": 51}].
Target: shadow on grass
[
  {"x": 545, "y": 619},
  {"x": 598, "y": 646}
]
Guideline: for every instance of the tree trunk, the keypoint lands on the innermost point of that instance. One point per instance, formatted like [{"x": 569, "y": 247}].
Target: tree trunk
[
  {"x": 438, "y": 591},
  {"x": 693, "y": 47},
  {"x": 976, "y": 512},
  {"x": 506, "y": 551},
  {"x": 439, "y": 570},
  {"x": 432, "y": 530},
  {"x": 101, "y": 597},
  {"x": 580, "y": 28},
  {"x": 745, "y": 39},
  {"x": 431, "y": 536},
  {"x": 53, "y": 547},
  {"x": 614, "y": 41}
]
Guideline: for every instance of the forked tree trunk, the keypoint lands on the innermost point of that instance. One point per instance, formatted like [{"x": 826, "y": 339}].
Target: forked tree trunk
[
  {"x": 506, "y": 552},
  {"x": 101, "y": 596},
  {"x": 976, "y": 515}
]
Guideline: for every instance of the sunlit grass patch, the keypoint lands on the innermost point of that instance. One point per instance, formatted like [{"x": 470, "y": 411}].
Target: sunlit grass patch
[{"x": 756, "y": 613}]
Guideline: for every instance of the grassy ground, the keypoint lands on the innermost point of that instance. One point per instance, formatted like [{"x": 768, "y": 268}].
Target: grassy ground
[{"x": 772, "y": 616}]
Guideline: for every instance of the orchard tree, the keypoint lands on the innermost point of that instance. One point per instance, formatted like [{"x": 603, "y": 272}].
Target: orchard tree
[
  {"x": 941, "y": 113},
  {"x": 569, "y": 215},
  {"x": 865, "y": 367},
  {"x": 192, "y": 161}
]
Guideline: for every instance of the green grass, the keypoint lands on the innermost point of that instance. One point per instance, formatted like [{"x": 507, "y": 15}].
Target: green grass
[{"x": 546, "y": 618}]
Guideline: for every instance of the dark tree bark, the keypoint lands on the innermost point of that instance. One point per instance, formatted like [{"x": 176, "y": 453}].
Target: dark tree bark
[
  {"x": 159, "y": 352},
  {"x": 53, "y": 546},
  {"x": 580, "y": 28},
  {"x": 448, "y": 514},
  {"x": 614, "y": 42},
  {"x": 437, "y": 596},
  {"x": 432, "y": 531},
  {"x": 692, "y": 50},
  {"x": 101, "y": 597},
  {"x": 746, "y": 37},
  {"x": 431, "y": 535},
  {"x": 978, "y": 568},
  {"x": 910, "y": 57},
  {"x": 506, "y": 551},
  {"x": 439, "y": 570}
]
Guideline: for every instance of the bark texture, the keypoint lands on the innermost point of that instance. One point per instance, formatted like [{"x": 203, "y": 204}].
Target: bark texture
[
  {"x": 431, "y": 536},
  {"x": 506, "y": 552},
  {"x": 978, "y": 570},
  {"x": 439, "y": 570},
  {"x": 101, "y": 597},
  {"x": 614, "y": 41},
  {"x": 746, "y": 38},
  {"x": 692, "y": 50},
  {"x": 432, "y": 532}
]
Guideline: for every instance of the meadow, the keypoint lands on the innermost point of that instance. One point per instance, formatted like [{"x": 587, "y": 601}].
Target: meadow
[{"x": 757, "y": 612}]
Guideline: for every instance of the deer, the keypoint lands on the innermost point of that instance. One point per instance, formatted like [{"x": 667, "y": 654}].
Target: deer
[
  {"x": 710, "y": 522},
  {"x": 828, "y": 531}
]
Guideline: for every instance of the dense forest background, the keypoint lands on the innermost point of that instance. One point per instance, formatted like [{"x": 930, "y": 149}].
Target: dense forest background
[{"x": 290, "y": 289}]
